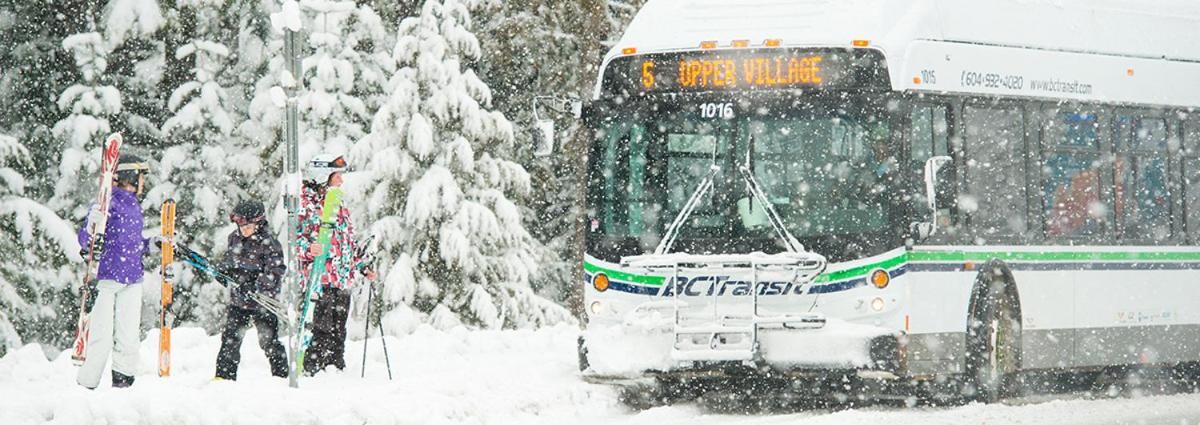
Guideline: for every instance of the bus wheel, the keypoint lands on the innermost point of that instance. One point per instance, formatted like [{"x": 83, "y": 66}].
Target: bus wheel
[
  {"x": 993, "y": 335},
  {"x": 582, "y": 350}
]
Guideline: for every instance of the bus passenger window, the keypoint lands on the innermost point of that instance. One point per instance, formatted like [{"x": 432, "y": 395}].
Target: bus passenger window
[
  {"x": 995, "y": 201},
  {"x": 1143, "y": 202},
  {"x": 622, "y": 159},
  {"x": 929, "y": 135},
  {"x": 1071, "y": 176},
  {"x": 1191, "y": 177},
  {"x": 927, "y": 138}
]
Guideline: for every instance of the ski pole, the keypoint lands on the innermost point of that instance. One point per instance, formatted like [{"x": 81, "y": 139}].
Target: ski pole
[
  {"x": 383, "y": 339},
  {"x": 367, "y": 332}
]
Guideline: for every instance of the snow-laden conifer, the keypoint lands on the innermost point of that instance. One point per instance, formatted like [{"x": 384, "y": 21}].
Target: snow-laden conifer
[
  {"x": 442, "y": 185},
  {"x": 89, "y": 104},
  {"x": 201, "y": 165},
  {"x": 35, "y": 280}
]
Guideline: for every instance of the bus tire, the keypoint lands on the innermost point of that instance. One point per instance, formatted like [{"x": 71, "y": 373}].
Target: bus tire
[
  {"x": 582, "y": 351},
  {"x": 993, "y": 342}
]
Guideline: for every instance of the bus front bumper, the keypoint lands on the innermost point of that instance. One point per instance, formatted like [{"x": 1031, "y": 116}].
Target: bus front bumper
[{"x": 613, "y": 352}]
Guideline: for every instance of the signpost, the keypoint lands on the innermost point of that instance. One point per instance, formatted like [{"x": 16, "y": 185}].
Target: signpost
[{"x": 288, "y": 21}]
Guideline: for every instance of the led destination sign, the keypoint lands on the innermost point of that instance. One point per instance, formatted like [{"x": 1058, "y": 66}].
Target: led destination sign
[
  {"x": 765, "y": 69},
  {"x": 750, "y": 72}
]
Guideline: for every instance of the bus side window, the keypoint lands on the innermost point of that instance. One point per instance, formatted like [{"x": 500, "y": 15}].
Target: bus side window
[
  {"x": 1071, "y": 175},
  {"x": 1142, "y": 195},
  {"x": 624, "y": 159},
  {"x": 929, "y": 137},
  {"x": 929, "y": 134},
  {"x": 1191, "y": 177},
  {"x": 995, "y": 198}
]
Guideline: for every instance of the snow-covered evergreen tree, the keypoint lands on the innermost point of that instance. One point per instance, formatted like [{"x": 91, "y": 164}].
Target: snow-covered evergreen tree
[
  {"x": 442, "y": 185},
  {"x": 34, "y": 71},
  {"x": 372, "y": 43},
  {"x": 264, "y": 126},
  {"x": 620, "y": 13},
  {"x": 201, "y": 164},
  {"x": 564, "y": 40},
  {"x": 333, "y": 115},
  {"x": 135, "y": 68},
  {"x": 89, "y": 105},
  {"x": 36, "y": 283}
]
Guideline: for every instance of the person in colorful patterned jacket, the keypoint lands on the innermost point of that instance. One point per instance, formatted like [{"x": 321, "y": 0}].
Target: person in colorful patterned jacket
[
  {"x": 333, "y": 307},
  {"x": 116, "y": 312}
]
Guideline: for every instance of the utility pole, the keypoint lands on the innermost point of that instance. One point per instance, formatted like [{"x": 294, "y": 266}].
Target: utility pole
[{"x": 288, "y": 20}]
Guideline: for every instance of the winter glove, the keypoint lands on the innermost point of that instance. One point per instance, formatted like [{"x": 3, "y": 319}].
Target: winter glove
[{"x": 94, "y": 216}]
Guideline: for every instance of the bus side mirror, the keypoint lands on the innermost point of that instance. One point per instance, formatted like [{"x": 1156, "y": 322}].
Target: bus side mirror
[
  {"x": 543, "y": 138},
  {"x": 937, "y": 189},
  {"x": 543, "y": 128}
]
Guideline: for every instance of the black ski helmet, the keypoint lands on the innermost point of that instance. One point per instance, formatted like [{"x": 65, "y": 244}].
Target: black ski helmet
[
  {"x": 129, "y": 167},
  {"x": 249, "y": 211}
]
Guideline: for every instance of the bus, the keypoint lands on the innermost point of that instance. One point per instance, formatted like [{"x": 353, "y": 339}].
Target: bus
[{"x": 917, "y": 192}]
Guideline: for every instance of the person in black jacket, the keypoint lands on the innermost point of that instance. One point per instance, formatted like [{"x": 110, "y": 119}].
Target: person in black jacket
[{"x": 255, "y": 261}]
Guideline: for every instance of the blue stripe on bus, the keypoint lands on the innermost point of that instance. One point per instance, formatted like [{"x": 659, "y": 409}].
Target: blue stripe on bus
[
  {"x": 1060, "y": 266},
  {"x": 852, "y": 283},
  {"x": 827, "y": 288},
  {"x": 846, "y": 285}
]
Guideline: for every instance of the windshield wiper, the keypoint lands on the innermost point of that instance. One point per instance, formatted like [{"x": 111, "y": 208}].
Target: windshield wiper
[
  {"x": 772, "y": 216},
  {"x": 673, "y": 230}
]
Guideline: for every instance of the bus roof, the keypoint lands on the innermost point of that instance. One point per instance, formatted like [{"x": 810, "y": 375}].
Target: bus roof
[{"x": 1125, "y": 38}]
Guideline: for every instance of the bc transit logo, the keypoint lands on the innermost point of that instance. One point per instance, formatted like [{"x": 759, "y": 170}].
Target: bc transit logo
[{"x": 725, "y": 285}]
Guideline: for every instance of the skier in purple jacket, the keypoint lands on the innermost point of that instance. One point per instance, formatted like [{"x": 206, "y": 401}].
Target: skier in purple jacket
[{"x": 115, "y": 316}]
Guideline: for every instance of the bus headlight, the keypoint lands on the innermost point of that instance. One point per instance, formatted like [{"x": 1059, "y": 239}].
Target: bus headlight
[
  {"x": 877, "y": 304},
  {"x": 597, "y": 308},
  {"x": 600, "y": 282},
  {"x": 880, "y": 278}
]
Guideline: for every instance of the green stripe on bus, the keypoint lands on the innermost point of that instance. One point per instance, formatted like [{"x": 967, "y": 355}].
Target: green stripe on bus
[
  {"x": 824, "y": 278},
  {"x": 624, "y": 277},
  {"x": 1052, "y": 256},
  {"x": 861, "y": 270},
  {"x": 898, "y": 260}
]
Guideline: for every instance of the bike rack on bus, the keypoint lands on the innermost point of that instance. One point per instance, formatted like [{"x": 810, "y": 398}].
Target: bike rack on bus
[{"x": 730, "y": 337}]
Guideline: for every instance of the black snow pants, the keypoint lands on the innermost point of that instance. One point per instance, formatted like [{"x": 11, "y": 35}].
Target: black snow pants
[
  {"x": 329, "y": 332},
  {"x": 237, "y": 320}
]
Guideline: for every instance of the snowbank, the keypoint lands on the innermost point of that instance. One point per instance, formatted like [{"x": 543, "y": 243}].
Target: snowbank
[
  {"x": 500, "y": 377},
  {"x": 460, "y": 377}
]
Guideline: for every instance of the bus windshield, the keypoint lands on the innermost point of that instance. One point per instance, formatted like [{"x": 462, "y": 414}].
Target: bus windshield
[{"x": 825, "y": 167}]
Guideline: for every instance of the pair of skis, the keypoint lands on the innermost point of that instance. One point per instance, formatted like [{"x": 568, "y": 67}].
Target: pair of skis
[
  {"x": 202, "y": 264},
  {"x": 166, "y": 317},
  {"x": 312, "y": 291},
  {"x": 97, "y": 224},
  {"x": 97, "y": 221}
]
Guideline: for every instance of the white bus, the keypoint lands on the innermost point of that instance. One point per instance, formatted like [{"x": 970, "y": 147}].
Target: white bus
[{"x": 899, "y": 190}]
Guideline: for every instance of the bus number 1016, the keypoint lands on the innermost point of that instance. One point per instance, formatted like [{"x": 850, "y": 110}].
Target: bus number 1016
[{"x": 716, "y": 110}]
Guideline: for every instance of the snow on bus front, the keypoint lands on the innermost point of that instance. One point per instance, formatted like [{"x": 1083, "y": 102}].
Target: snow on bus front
[{"x": 680, "y": 312}]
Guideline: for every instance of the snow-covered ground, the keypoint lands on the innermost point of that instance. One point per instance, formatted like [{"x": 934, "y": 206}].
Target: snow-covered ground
[{"x": 507, "y": 377}]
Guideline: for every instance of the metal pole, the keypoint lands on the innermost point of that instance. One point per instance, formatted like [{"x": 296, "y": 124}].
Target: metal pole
[
  {"x": 291, "y": 195},
  {"x": 383, "y": 340},
  {"x": 367, "y": 332}
]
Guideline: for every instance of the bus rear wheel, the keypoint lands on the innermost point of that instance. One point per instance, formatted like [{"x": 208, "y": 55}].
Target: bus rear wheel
[{"x": 993, "y": 335}]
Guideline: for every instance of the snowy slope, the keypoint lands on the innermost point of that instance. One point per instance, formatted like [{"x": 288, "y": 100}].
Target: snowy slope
[
  {"x": 455, "y": 377},
  {"x": 459, "y": 377}
]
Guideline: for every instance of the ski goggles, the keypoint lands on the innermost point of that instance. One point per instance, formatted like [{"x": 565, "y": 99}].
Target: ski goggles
[
  {"x": 242, "y": 221},
  {"x": 339, "y": 162}
]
